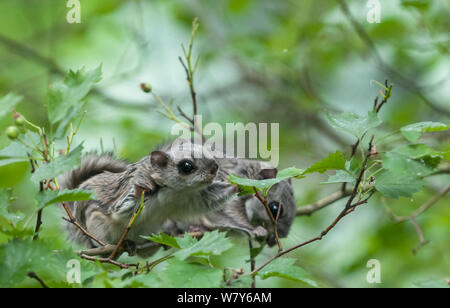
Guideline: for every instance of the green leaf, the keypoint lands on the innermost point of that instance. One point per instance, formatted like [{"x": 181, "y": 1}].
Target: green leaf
[
  {"x": 19, "y": 257},
  {"x": 414, "y": 131},
  {"x": 66, "y": 98},
  {"x": 212, "y": 243},
  {"x": 418, "y": 4},
  {"x": 14, "y": 218},
  {"x": 7, "y": 103},
  {"x": 421, "y": 152},
  {"x": 353, "y": 123},
  {"x": 433, "y": 283},
  {"x": 13, "y": 173},
  {"x": 45, "y": 198},
  {"x": 353, "y": 167},
  {"x": 59, "y": 165},
  {"x": 398, "y": 163},
  {"x": 341, "y": 176},
  {"x": 285, "y": 268},
  {"x": 416, "y": 151},
  {"x": 179, "y": 274},
  {"x": 335, "y": 161},
  {"x": 394, "y": 184},
  {"x": 246, "y": 185},
  {"x": 14, "y": 152},
  {"x": 290, "y": 172},
  {"x": 163, "y": 238},
  {"x": 255, "y": 251}
]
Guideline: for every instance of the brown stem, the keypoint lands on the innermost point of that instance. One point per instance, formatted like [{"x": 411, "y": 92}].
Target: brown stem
[
  {"x": 274, "y": 221},
  {"x": 349, "y": 208},
  {"x": 107, "y": 260},
  {"x": 422, "y": 241},
  {"x": 73, "y": 221},
  {"x": 407, "y": 83},
  {"x": 33, "y": 275},
  {"x": 39, "y": 216},
  {"x": 252, "y": 262}
]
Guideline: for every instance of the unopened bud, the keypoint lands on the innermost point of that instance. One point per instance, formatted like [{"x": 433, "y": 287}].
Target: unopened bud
[{"x": 146, "y": 87}]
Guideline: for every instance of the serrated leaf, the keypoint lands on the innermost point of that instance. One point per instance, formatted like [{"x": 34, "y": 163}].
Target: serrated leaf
[
  {"x": 163, "y": 239},
  {"x": 398, "y": 163},
  {"x": 421, "y": 152},
  {"x": 45, "y": 198},
  {"x": 255, "y": 251},
  {"x": 180, "y": 274},
  {"x": 413, "y": 132},
  {"x": 290, "y": 172},
  {"x": 212, "y": 243},
  {"x": 19, "y": 257},
  {"x": 334, "y": 161},
  {"x": 285, "y": 268},
  {"x": 13, "y": 173},
  {"x": 7, "y": 103},
  {"x": 59, "y": 165},
  {"x": 246, "y": 185},
  {"x": 14, "y": 218},
  {"x": 416, "y": 151},
  {"x": 341, "y": 176},
  {"x": 353, "y": 123},
  {"x": 66, "y": 98},
  {"x": 394, "y": 184},
  {"x": 13, "y": 153}
]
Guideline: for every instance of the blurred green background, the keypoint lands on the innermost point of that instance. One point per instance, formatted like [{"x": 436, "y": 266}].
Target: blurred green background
[{"x": 260, "y": 61}]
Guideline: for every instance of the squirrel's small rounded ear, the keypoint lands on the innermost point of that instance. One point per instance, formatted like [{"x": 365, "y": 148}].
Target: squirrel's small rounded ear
[
  {"x": 268, "y": 173},
  {"x": 159, "y": 158}
]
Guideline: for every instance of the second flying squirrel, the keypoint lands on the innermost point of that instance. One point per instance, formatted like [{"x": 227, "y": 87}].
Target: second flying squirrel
[
  {"x": 247, "y": 214},
  {"x": 177, "y": 185}
]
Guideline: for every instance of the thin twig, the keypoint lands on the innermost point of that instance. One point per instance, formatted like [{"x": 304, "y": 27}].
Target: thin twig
[
  {"x": 33, "y": 275},
  {"x": 39, "y": 216},
  {"x": 349, "y": 208},
  {"x": 321, "y": 203},
  {"x": 252, "y": 261},
  {"x": 73, "y": 221},
  {"x": 107, "y": 260},
  {"x": 274, "y": 221},
  {"x": 422, "y": 241},
  {"x": 423, "y": 208},
  {"x": 130, "y": 224},
  {"x": 408, "y": 84}
]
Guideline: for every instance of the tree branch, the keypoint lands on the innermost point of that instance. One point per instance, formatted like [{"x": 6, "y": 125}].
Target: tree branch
[
  {"x": 405, "y": 82},
  {"x": 349, "y": 208}
]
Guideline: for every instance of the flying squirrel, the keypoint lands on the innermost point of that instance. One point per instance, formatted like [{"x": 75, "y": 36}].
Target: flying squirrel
[{"x": 179, "y": 181}]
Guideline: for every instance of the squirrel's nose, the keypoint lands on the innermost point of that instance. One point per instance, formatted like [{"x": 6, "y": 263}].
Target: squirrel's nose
[{"x": 214, "y": 168}]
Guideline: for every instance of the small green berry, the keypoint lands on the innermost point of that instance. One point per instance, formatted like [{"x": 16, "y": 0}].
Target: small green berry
[
  {"x": 20, "y": 121},
  {"x": 146, "y": 87},
  {"x": 12, "y": 132}
]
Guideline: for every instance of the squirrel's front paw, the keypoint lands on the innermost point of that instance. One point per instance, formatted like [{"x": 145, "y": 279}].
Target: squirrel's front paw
[{"x": 260, "y": 233}]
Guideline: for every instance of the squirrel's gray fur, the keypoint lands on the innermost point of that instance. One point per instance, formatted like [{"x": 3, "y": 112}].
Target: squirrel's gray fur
[
  {"x": 246, "y": 214},
  {"x": 169, "y": 194}
]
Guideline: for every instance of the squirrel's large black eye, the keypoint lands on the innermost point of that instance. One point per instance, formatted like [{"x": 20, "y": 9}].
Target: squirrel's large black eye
[
  {"x": 274, "y": 206},
  {"x": 186, "y": 167}
]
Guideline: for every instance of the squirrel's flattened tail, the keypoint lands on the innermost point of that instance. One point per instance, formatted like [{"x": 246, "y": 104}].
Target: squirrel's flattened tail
[{"x": 91, "y": 165}]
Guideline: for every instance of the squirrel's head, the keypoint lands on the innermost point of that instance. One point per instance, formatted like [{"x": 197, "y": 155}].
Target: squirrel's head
[
  {"x": 183, "y": 165},
  {"x": 280, "y": 198}
]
